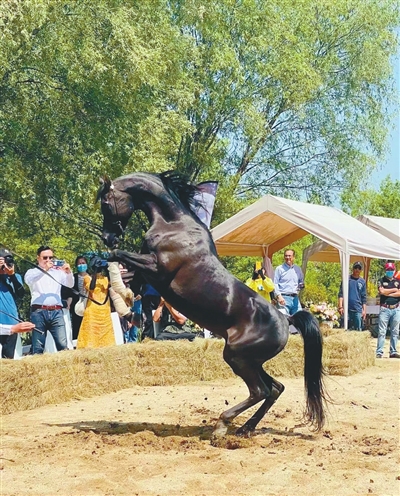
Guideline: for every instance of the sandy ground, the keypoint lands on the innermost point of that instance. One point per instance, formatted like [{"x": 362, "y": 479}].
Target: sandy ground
[{"x": 156, "y": 441}]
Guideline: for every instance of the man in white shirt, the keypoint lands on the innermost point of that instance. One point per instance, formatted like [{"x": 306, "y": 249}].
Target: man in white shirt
[{"x": 46, "y": 306}]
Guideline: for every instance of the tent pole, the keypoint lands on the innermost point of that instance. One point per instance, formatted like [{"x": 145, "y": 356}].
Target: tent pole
[
  {"x": 367, "y": 265},
  {"x": 345, "y": 263}
]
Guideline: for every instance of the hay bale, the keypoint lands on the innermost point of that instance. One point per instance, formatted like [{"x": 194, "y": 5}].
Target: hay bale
[
  {"x": 348, "y": 352},
  {"x": 55, "y": 378}
]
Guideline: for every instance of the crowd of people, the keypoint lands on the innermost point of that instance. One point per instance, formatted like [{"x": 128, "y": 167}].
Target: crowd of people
[{"x": 98, "y": 287}]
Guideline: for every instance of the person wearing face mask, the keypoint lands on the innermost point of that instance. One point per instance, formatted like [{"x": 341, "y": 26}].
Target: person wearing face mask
[
  {"x": 72, "y": 297},
  {"x": 389, "y": 313}
]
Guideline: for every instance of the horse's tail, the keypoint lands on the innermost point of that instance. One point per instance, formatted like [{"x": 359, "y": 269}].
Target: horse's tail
[{"x": 313, "y": 369}]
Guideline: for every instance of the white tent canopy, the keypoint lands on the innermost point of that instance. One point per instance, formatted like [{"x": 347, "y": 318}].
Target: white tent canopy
[
  {"x": 384, "y": 225},
  {"x": 323, "y": 252},
  {"x": 272, "y": 223}
]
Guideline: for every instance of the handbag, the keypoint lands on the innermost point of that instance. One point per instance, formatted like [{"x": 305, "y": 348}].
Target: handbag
[{"x": 80, "y": 306}]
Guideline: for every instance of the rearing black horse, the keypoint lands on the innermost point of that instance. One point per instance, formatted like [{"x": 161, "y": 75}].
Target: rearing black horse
[{"x": 179, "y": 259}]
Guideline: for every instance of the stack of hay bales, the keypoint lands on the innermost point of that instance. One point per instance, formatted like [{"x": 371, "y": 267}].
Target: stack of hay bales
[{"x": 55, "y": 378}]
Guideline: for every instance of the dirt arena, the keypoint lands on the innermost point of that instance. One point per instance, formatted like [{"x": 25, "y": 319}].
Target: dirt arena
[{"x": 156, "y": 441}]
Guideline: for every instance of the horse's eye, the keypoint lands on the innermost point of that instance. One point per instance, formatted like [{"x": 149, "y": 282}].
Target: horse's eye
[{"x": 106, "y": 207}]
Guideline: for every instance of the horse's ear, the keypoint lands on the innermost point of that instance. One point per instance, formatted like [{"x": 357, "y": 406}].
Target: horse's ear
[{"x": 105, "y": 186}]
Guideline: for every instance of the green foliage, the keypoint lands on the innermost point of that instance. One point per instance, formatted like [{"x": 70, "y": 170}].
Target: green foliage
[
  {"x": 314, "y": 292},
  {"x": 265, "y": 97},
  {"x": 384, "y": 203}
]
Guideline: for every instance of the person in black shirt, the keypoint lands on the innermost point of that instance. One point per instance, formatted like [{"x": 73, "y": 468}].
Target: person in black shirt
[{"x": 389, "y": 313}]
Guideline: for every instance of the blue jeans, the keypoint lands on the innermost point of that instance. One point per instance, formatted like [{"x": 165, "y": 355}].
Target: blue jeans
[
  {"x": 52, "y": 321},
  {"x": 355, "y": 321},
  {"x": 292, "y": 304},
  {"x": 388, "y": 318},
  {"x": 131, "y": 335}
]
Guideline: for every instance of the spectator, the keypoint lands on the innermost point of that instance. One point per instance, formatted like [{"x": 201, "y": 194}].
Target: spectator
[
  {"x": 173, "y": 324},
  {"x": 288, "y": 281},
  {"x": 124, "y": 299},
  {"x": 133, "y": 334},
  {"x": 72, "y": 297},
  {"x": 96, "y": 330},
  {"x": 45, "y": 283},
  {"x": 260, "y": 283},
  {"x": 11, "y": 287},
  {"x": 389, "y": 313},
  {"x": 357, "y": 298},
  {"x": 150, "y": 302}
]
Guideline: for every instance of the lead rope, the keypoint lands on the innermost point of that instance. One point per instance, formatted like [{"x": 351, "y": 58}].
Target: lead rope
[
  {"x": 19, "y": 320},
  {"x": 49, "y": 275}
]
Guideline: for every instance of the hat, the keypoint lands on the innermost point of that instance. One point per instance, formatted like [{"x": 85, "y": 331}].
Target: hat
[
  {"x": 357, "y": 265},
  {"x": 4, "y": 252},
  {"x": 390, "y": 266}
]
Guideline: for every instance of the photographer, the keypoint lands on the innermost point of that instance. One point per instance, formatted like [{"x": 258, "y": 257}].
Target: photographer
[
  {"x": 45, "y": 282},
  {"x": 260, "y": 283},
  {"x": 11, "y": 287},
  {"x": 96, "y": 329}
]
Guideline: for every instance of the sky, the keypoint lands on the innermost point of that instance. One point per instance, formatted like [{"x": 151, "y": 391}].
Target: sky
[{"x": 391, "y": 166}]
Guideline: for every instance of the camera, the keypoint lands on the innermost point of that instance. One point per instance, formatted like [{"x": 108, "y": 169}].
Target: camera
[
  {"x": 9, "y": 261},
  {"x": 97, "y": 263},
  {"x": 58, "y": 263}
]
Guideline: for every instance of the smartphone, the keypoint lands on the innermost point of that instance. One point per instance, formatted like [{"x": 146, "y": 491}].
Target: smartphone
[
  {"x": 258, "y": 266},
  {"x": 58, "y": 263}
]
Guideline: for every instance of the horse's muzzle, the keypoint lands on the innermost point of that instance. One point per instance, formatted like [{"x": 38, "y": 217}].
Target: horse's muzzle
[{"x": 110, "y": 239}]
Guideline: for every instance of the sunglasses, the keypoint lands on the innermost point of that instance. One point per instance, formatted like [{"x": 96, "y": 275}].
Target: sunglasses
[{"x": 46, "y": 257}]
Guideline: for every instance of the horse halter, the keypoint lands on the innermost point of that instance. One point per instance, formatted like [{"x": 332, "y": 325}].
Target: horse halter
[{"x": 119, "y": 230}]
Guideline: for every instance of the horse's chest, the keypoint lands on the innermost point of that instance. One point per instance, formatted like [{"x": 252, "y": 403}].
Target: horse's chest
[{"x": 165, "y": 241}]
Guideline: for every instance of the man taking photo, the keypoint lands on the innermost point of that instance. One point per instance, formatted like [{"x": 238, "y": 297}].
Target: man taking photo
[{"x": 45, "y": 282}]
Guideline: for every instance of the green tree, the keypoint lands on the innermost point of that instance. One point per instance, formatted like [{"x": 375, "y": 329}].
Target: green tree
[
  {"x": 288, "y": 94},
  {"x": 269, "y": 96},
  {"x": 384, "y": 202},
  {"x": 79, "y": 84}
]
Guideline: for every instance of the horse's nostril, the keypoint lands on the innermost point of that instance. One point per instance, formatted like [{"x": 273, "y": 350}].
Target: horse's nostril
[{"x": 110, "y": 240}]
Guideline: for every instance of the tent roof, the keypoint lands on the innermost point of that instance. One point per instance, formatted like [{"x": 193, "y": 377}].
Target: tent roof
[
  {"x": 322, "y": 252},
  {"x": 271, "y": 223},
  {"x": 384, "y": 225}
]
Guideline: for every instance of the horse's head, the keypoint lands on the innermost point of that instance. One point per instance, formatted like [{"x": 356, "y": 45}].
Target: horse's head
[{"x": 117, "y": 208}]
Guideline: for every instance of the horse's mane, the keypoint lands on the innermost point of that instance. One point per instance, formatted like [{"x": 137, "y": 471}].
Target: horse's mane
[{"x": 180, "y": 188}]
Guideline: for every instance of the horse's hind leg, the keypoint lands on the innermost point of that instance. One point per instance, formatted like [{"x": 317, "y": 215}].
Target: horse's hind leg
[
  {"x": 254, "y": 377},
  {"x": 276, "y": 389}
]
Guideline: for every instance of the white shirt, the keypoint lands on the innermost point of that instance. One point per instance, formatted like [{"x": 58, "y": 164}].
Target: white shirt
[
  {"x": 5, "y": 329},
  {"x": 44, "y": 290}
]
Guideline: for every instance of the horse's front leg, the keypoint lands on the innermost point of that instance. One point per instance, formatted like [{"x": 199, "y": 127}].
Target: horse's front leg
[{"x": 138, "y": 261}]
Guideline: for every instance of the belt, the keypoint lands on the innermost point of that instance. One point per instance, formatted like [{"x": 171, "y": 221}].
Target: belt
[
  {"x": 290, "y": 294},
  {"x": 46, "y": 307},
  {"x": 390, "y": 306}
]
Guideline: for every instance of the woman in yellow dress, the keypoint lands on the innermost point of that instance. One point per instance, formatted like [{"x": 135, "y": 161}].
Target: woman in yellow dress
[
  {"x": 260, "y": 283},
  {"x": 96, "y": 329}
]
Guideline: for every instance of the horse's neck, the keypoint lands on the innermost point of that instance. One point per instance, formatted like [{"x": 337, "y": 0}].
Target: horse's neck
[
  {"x": 161, "y": 211},
  {"x": 157, "y": 203}
]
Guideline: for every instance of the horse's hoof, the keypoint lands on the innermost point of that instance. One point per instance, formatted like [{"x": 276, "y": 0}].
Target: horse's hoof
[
  {"x": 244, "y": 431},
  {"x": 113, "y": 256},
  {"x": 220, "y": 429}
]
